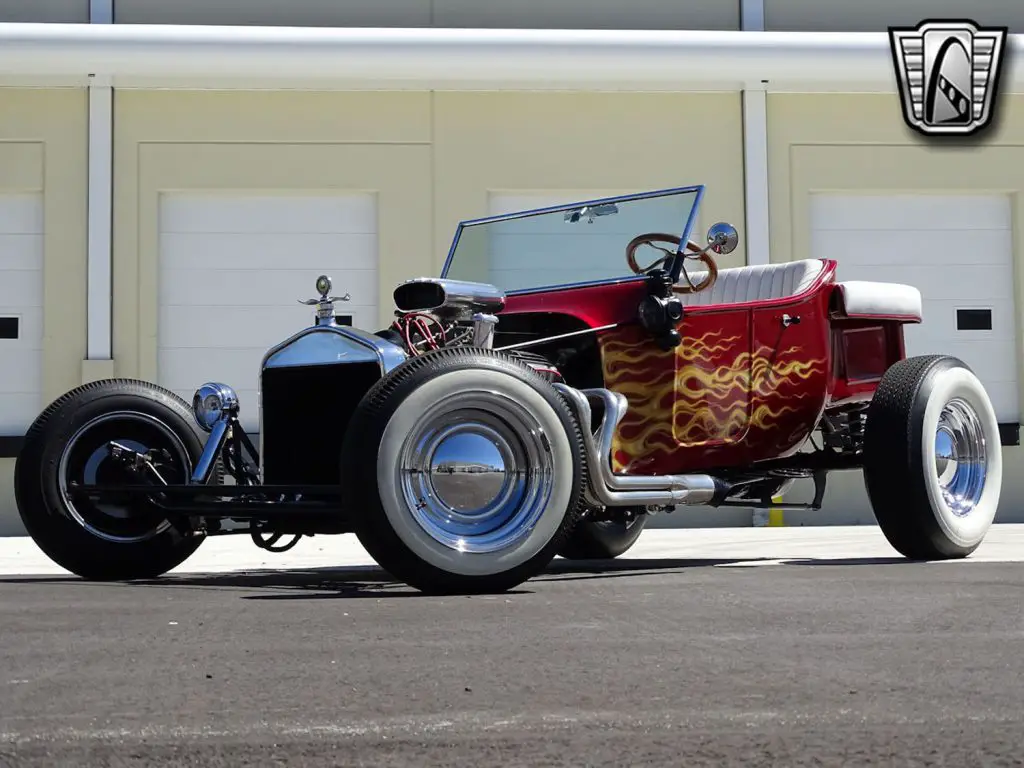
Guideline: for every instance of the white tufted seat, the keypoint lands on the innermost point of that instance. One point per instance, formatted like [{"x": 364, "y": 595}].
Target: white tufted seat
[{"x": 756, "y": 283}]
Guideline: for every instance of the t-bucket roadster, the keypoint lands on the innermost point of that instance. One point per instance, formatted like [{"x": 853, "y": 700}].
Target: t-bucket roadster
[{"x": 545, "y": 395}]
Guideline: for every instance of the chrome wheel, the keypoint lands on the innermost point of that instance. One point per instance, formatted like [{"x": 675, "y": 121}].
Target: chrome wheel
[
  {"x": 476, "y": 472},
  {"x": 960, "y": 456},
  {"x": 86, "y": 460}
]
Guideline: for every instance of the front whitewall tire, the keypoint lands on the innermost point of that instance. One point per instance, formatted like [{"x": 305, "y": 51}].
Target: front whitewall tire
[
  {"x": 469, "y": 523},
  {"x": 403, "y": 426}
]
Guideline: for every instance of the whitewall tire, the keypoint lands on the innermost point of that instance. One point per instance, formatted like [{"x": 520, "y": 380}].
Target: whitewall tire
[
  {"x": 933, "y": 458},
  {"x": 464, "y": 472}
]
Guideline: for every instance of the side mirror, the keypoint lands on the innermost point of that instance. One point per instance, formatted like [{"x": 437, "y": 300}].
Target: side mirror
[{"x": 723, "y": 238}]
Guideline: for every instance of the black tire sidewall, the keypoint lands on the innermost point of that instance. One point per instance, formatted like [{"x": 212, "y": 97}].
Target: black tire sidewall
[
  {"x": 42, "y": 508},
  {"x": 590, "y": 540}
]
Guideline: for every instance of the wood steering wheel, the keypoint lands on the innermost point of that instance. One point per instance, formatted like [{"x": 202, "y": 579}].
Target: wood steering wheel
[{"x": 649, "y": 238}]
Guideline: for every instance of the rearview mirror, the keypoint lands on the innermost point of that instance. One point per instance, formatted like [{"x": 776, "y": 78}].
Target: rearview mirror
[
  {"x": 589, "y": 212},
  {"x": 723, "y": 238}
]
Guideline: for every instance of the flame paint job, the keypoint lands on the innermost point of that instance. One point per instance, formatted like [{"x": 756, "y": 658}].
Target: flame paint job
[{"x": 742, "y": 387}]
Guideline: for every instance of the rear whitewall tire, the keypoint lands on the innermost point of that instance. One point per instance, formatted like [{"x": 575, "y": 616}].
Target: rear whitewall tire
[
  {"x": 964, "y": 531},
  {"x": 916, "y": 400}
]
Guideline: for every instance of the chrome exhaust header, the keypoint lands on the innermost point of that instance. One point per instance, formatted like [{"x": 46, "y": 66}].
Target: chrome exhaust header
[{"x": 611, "y": 490}]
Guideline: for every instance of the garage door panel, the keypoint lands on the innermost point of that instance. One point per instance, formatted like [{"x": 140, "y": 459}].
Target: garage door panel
[
  {"x": 265, "y": 287},
  {"x": 19, "y": 252},
  {"x": 21, "y": 297},
  {"x": 913, "y": 211},
  {"x": 920, "y": 248},
  {"x": 233, "y": 269},
  {"x": 21, "y": 214},
  {"x": 22, "y": 371},
  {"x": 1004, "y": 396},
  {"x": 18, "y": 411},
  {"x": 273, "y": 214},
  {"x": 301, "y": 251},
  {"x": 987, "y": 356},
  {"x": 187, "y": 367},
  {"x": 988, "y": 360},
  {"x": 21, "y": 287},
  {"x": 957, "y": 250},
  {"x": 30, "y": 328},
  {"x": 941, "y": 319},
  {"x": 985, "y": 281},
  {"x": 258, "y": 326}
]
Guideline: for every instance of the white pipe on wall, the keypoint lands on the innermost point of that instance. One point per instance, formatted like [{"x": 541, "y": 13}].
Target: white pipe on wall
[
  {"x": 193, "y": 56},
  {"x": 99, "y": 285},
  {"x": 100, "y": 224},
  {"x": 755, "y": 150}
]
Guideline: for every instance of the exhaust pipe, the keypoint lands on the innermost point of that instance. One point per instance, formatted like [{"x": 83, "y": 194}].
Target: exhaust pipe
[{"x": 612, "y": 490}]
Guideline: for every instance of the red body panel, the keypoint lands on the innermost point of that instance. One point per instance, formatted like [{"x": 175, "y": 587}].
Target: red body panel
[{"x": 743, "y": 386}]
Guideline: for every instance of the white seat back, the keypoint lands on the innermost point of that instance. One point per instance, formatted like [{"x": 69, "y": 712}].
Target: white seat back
[{"x": 756, "y": 283}]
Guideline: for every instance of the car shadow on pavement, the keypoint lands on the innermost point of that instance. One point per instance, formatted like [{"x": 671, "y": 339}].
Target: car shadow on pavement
[
  {"x": 849, "y": 561},
  {"x": 369, "y": 581},
  {"x": 576, "y": 570}
]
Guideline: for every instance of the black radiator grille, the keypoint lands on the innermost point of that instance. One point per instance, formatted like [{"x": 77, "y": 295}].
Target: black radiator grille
[{"x": 306, "y": 410}]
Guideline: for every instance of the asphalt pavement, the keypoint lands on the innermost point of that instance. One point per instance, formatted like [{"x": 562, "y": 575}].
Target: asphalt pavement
[{"x": 780, "y": 647}]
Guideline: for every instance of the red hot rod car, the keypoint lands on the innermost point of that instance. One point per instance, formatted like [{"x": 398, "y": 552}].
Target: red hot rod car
[{"x": 543, "y": 396}]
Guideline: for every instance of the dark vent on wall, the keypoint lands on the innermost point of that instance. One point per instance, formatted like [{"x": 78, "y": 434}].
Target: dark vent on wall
[
  {"x": 974, "y": 319},
  {"x": 1009, "y": 433},
  {"x": 343, "y": 319},
  {"x": 8, "y": 327}
]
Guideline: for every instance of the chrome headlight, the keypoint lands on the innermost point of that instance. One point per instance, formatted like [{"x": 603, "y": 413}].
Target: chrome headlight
[{"x": 211, "y": 401}]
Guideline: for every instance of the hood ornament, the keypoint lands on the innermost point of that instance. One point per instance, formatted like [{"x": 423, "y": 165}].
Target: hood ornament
[{"x": 325, "y": 303}]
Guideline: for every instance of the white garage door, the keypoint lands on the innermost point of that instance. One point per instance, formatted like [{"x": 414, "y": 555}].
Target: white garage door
[
  {"x": 957, "y": 250},
  {"x": 232, "y": 269},
  {"x": 21, "y": 313},
  {"x": 547, "y": 251}
]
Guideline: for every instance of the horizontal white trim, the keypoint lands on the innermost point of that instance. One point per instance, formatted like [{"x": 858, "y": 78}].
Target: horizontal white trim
[{"x": 363, "y": 58}]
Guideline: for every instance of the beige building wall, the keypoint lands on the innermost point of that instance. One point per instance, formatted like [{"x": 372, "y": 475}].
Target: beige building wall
[
  {"x": 568, "y": 14},
  {"x": 529, "y": 142},
  {"x": 432, "y": 159},
  {"x": 43, "y": 149},
  {"x": 859, "y": 143},
  {"x": 289, "y": 142}
]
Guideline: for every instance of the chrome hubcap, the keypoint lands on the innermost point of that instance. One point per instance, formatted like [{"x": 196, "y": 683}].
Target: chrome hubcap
[
  {"x": 960, "y": 456},
  {"x": 476, "y": 472}
]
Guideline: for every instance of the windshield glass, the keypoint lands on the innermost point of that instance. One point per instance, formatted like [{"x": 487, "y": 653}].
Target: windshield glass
[{"x": 570, "y": 244}]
